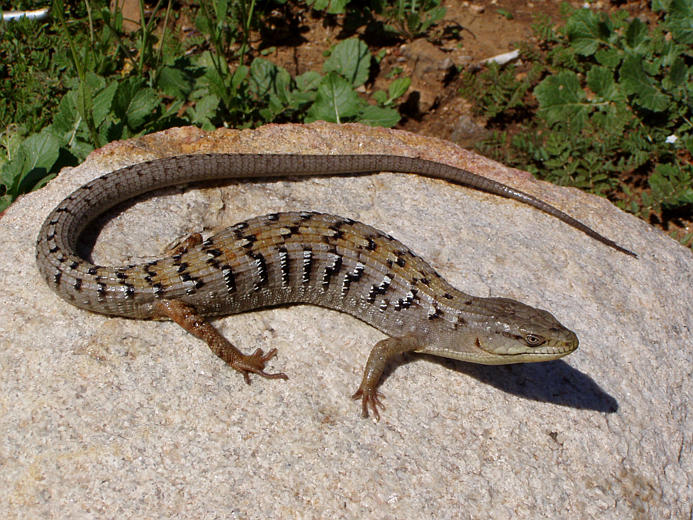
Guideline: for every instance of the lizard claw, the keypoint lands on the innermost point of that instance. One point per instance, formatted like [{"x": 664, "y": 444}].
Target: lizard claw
[
  {"x": 255, "y": 363},
  {"x": 370, "y": 397}
]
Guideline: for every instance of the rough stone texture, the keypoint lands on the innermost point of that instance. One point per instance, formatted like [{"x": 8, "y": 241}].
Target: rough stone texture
[{"x": 112, "y": 418}]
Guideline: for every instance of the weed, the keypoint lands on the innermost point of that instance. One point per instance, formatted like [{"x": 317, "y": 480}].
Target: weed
[
  {"x": 119, "y": 85},
  {"x": 607, "y": 100}
]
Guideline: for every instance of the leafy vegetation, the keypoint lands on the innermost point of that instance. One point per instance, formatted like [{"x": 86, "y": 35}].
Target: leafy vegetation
[
  {"x": 605, "y": 102},
  {"x": 117, "y": 85},
  {"x": 601, "y": 102}
]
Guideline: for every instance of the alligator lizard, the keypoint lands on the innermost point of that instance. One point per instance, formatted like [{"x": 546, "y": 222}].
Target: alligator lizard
[{"x": 305, "y": 257}]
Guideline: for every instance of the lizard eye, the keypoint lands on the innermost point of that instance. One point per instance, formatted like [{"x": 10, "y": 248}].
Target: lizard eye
[{"x": 534, "y": 340}]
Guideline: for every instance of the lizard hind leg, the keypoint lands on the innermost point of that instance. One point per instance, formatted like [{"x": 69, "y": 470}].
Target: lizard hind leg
[
  {"x": 186, "y": 316},
  {"x": 381, "y": 354},
  {"x": 183, "y": 244}
]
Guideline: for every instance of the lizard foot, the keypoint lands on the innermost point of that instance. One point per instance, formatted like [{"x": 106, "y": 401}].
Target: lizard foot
[
  {"x": 370, "y": 398},
  {"x": 255, "y": 363}
]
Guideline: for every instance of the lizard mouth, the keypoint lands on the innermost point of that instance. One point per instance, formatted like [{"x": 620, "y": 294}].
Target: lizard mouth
[{"x": 555, "y": 351}]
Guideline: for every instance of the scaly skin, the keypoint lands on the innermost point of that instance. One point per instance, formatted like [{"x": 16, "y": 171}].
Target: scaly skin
[{"x": 304, "y": 257}]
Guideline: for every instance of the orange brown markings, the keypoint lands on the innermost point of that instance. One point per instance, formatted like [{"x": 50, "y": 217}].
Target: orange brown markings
[
  {"x": 186, "y": 316},
  {"x": 192, "y": 240}
]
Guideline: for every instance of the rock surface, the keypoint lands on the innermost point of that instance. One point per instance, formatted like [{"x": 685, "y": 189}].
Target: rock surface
[{"x": 112, "y": 418}]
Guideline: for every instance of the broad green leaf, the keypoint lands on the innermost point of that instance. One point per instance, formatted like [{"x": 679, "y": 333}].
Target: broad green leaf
[
  {"x": 267, "y": 79},
  {"x": 282, "y": 86},
  {"x": 124, "y": 94},
  {"x": 352, "y": 59},
  {"x": 176, "y": 80},
  {"x": 239, "y": 76},
  {"x": 142, "y": 108},
  {"x": 11, "y": 172},
  {"x": 203, "y": 24},
  {"x": 398, "y": 87},
  {"x": 221, "y": 8},
  {"x": 586, "y": 31},
  {"x": 380, "y": 97},
  {"x": 600, "y": 80},
  {"x": 42, "y": 150},
  {"x": 204, "y": 111},
  {"x": 95, "y": 82},
  {"x": 262, "y": 76},
  {"x": 608, "y": 57},
  {"x": 562, "y": 100},
  {"x": 308, "y": 80},
  {"x": 678, "y": 75},
  {"x": 67, "y": 118},
  {"x": 337, "y": 6},
  {"x": 378, "y": 116},
  {"x": 102, "y": 102},
  {"x": 38, "y": 155},
  {"x": 318, "y": 5},
  {"x": 637, "y": 38},
  {"x": 335, "y": 100},
  {"x": 680, "y": 21},
  {"x": 330, "y": 6},
  {"x": 637, "y": 83}
]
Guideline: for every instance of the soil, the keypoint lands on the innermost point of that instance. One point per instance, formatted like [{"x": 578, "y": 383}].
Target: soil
[{"x": 296, "y": 38}]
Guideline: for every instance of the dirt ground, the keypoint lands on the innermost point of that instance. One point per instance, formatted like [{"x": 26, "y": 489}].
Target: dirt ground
[
  {"x": 296, "y": 38},
  {"x": 470, "y": 33}
]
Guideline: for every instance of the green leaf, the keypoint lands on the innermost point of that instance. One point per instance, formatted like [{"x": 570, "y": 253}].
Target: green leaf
[
  {"x": 637, "y": 83},
  {"x": 378, "y": 116},
  {"x": 11, "y": 173},
  {"x": 352, "y": 59},
  {"x": 262, "y": 75},
  {"x": 102, "y": 102},
  {"x": 678, "y": 75},
  {"x": 67, "y": 118},
  {"x": 380, "y": 97},
  {"x": 177, "y": 80},
  {"x": 204, "y": 111},
  {"x": 34, "y": 159},
  {"x": 398, "y": 88},
  {"x": 562, "y": 100},
  {"x": 600, "y": 80},
  {"x": 42, "y": 150},
  {"x": 637, "y": 38},
  {"x": 680, "y": 21},
  {"x": 308, "y": 80},
  {"x": 239, "y": 76},
  {"x": 142, "y": 108},
  {"x": 221, "y": 8},
  {"x": 318, "y": 5},
  {"x": 330, "y": 6},
  {"x": 609, "y": 57},
  {"x": 504, "y": 12},
  {"x": 672, "y": 185},
  {"x": 587, "y": 32},
  {"x": 335, "y": 100}
]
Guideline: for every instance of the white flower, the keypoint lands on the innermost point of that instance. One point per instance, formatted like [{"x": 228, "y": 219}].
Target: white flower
[{"x": 671, "y": 139}]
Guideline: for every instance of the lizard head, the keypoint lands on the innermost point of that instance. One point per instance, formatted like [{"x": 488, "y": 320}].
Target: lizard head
[
  {"x": 522, "y": 334},
  {"x": 501, "y": 331}
]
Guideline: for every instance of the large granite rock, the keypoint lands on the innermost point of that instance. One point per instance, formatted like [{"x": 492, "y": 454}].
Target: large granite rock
[{"x": 113, "y": 418}]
